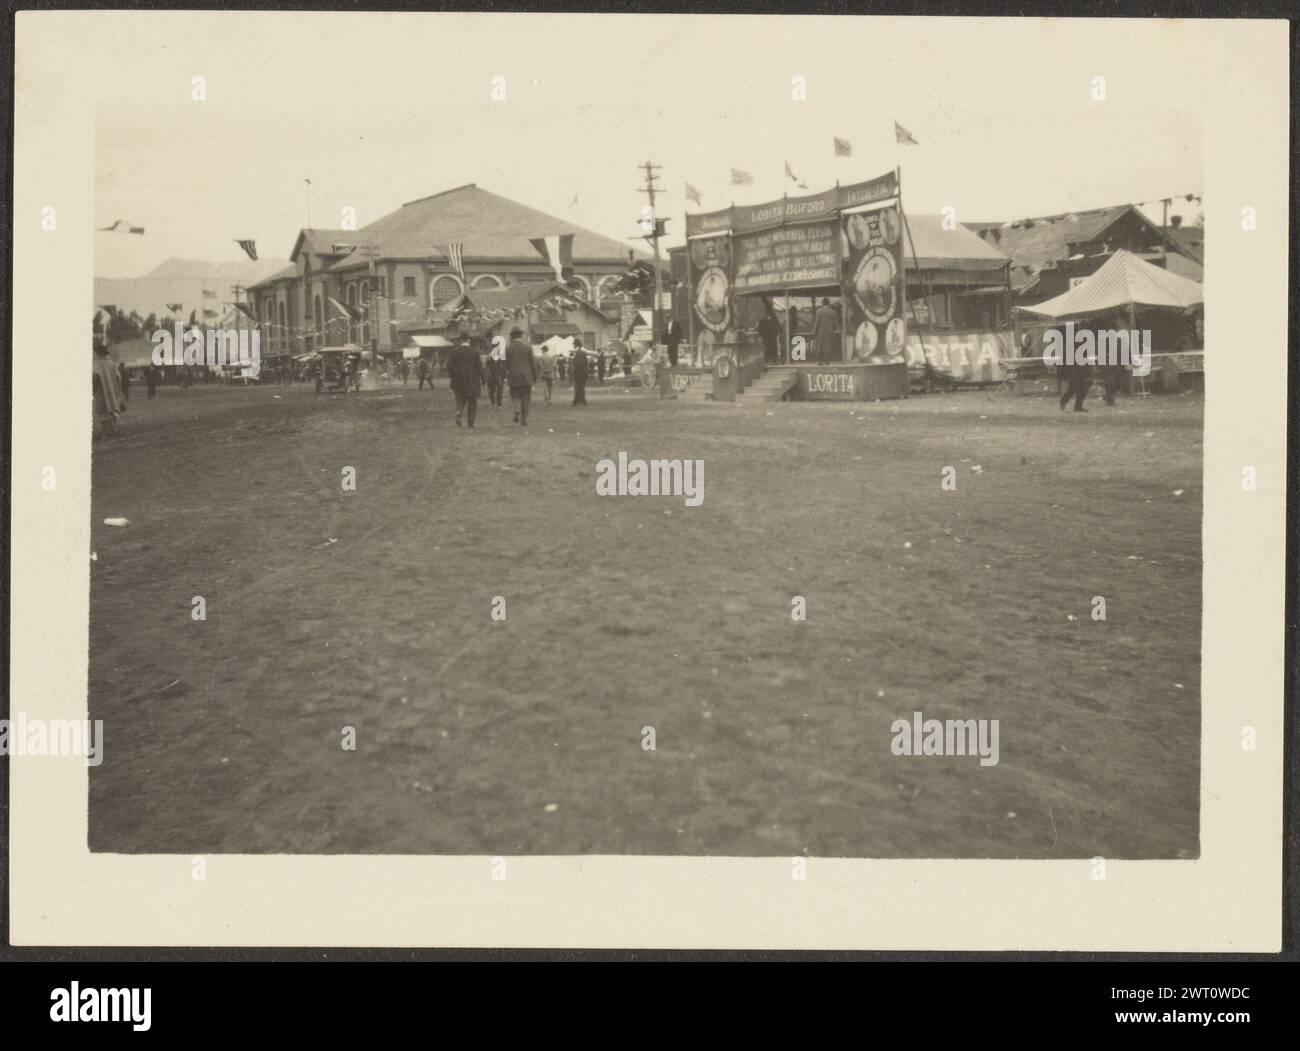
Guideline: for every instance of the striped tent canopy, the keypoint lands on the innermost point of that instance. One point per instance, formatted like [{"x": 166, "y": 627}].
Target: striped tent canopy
[{"x": 1121, "y": 280}]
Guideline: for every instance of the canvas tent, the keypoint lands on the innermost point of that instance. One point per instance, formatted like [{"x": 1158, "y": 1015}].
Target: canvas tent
[{"x": 1123, "y": 280}]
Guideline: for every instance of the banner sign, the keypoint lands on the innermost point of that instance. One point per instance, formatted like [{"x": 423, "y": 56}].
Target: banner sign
[
  {"x": 972, "y": 357},
  {"x": 873, "y": 282},
  {"x": 710, "y": 270},
  {"x": 802, "y": 256},
  {"x": 786, "y": 210}
]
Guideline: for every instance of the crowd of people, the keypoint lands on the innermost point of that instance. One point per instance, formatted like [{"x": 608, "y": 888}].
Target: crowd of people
[{"x": 517, "y": 368}]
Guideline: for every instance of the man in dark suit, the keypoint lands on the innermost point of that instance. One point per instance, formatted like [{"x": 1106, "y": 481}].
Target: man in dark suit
[
  {"x": 673, "y": 337},
  {"x": 521, "y": 374},
  {"x": 580, "y": 371},
  {"x": 466, "y": 372},
  {"x": 826, "y": 336}
]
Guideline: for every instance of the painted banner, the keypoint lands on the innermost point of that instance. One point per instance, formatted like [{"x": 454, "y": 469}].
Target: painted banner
[
  {"x": 710, "y": 270},
  {"x": 787, "y": 257},
  {"x": 972, "y": 357},
  {"x": 873, "y": 282}
]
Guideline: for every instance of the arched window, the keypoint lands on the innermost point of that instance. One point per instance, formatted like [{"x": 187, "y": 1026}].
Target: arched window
[
  {"x": 605, "y": 286},
  {"x": 585, "y": 291},
  {"x": 487, "y": 281},
  {"x": 444, "y": 289}
]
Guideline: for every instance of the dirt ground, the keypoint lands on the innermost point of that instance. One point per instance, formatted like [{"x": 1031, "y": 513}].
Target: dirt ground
[{"x": 371, "y": 609}]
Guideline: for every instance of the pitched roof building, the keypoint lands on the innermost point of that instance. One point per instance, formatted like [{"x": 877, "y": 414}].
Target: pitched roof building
[
  {"x": 405, "y": 260},
  {"x": 1052, "y": 252}
]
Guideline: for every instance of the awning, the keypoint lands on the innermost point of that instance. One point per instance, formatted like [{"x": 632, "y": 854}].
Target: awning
[
  {"x": 430, "y": 341},
  {"x": 555, "y": 328},
  {"x": 1121, "y": 280}
]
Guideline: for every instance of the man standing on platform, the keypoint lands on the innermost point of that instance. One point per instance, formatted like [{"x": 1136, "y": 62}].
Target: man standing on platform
[
  {"x": 673, "y": 337},
  {"x": 466, "y": 373},
  {"x": 769, "y": 334},
  {"x": 521, "y": 374},
  {"x": 826, "y": 333}
]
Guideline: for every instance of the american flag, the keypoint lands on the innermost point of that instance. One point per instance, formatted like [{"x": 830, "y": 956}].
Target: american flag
[
  {"x": 250, "y": 247},
  {"x": 456, "y": 256}
]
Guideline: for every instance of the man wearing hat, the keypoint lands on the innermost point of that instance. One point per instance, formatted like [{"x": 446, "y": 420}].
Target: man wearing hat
[
  {"x": 581, "y": 369},
  {"x": 466, "y": 372},
  {"x": 521, "y": 374}
]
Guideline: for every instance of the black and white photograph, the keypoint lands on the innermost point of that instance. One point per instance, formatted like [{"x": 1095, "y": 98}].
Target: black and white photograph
[{"x": 515, "y": 436}]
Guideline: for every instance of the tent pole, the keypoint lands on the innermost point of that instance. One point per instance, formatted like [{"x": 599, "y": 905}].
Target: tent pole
[{"x": 920, "y": 336}]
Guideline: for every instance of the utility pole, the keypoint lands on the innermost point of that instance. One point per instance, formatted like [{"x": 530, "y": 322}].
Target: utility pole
[
  {"x": 237, "y": 291},
  {"x": 653, "y": 238},
  {"x": 371, "y": 252}
]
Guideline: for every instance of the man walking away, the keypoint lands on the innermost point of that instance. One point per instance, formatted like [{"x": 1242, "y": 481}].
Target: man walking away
[
  {"x": 423, "y": 375},
  {"x": 496, "y": 377},
  {"x": 600, "y": 367},
  {"x": 466, "y": 373},
  {"x": 825, "y": 331},
  {"x": 627, "y": 361},
  {"x": 151, "y": 382},
  {"x": 546, "y": 367},
  {"x": 126, "y": 381},
  {"x": 580, "y": 369},
  {"x": 521, "y": 373}
]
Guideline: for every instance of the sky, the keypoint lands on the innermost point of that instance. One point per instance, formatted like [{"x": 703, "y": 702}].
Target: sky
[{"x": 380, "y": 109}]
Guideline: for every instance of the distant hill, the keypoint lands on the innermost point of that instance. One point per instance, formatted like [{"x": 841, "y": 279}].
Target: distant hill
[{"x": 182, "y": 281}]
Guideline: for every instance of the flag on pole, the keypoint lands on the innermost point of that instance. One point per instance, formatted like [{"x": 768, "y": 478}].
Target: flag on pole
[
  {"x": 557, "y": 250},
  {"x": 740, "y": 178},
  {"x": 121, "y": 226},
  {"x": 175, "y": 308},
  {"x": 249, "y": 247},
  {"x": 692, "y": 194},
  {"x": 901, "y": 134},
  {"x": 347, "y": 312},
  {"x": 209, "y": 294},
  {"x": 789, "y": 174},
  {"x": 843, "y": 148},
  {"x": 209, "y": 313},
  {"x": 456, "y": 256}
]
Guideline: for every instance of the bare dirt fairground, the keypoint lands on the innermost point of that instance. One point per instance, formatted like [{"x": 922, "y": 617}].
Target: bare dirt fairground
[{"x": 370, "y": 609}]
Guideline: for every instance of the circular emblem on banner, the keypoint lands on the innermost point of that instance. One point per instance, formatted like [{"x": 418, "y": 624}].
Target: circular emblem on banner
[
  {"x": 889, "y": 225},
  {"x": 713, "y": 300},
  {"x": 859, "y": 231},
  {"x": 873, "y": 284},
  {"x": 865, "y": 339},
  {"x": 895, "y": 337},
  {"x": 699, "y": 255}
]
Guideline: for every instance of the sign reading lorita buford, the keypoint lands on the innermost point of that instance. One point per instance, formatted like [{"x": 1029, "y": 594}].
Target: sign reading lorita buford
[{"x": 848, "y": 237}]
